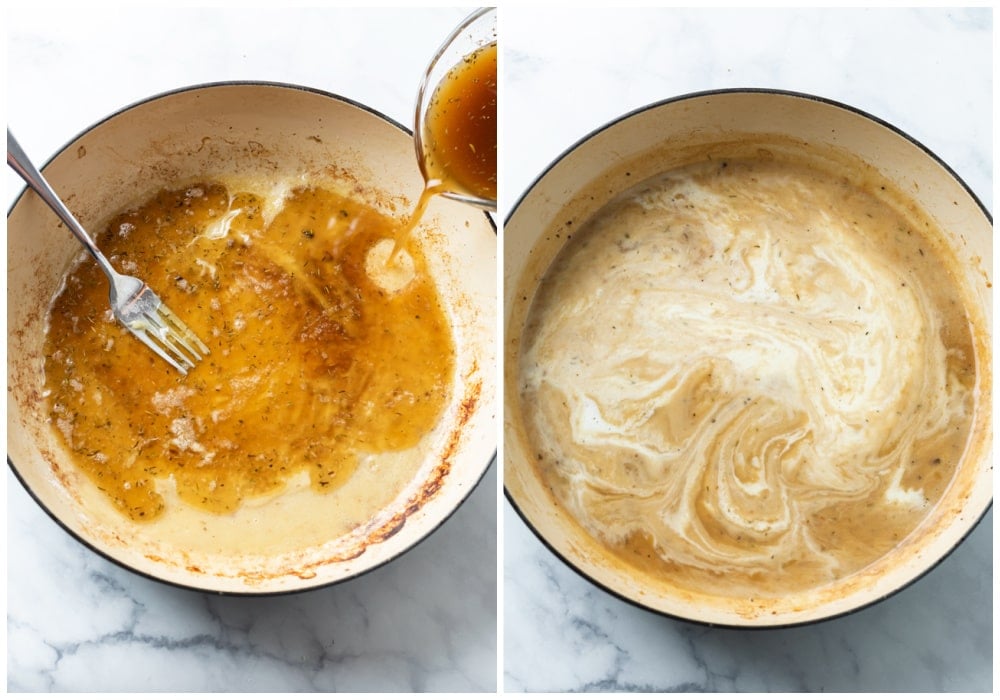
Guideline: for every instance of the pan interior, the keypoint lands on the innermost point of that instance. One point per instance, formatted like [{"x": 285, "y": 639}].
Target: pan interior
[
  {"x": 261, "y": 138},
  {"x": 712, "y": 129}
]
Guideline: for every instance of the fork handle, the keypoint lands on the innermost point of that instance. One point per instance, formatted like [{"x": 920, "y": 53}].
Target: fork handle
[{"x": 22, "y": 165}]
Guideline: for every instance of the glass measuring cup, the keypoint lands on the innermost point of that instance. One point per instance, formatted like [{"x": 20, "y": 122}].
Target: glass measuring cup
[{"x": 455, "y": 120}]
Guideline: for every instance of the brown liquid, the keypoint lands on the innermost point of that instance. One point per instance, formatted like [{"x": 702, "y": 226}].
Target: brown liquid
[
  {"x": 314, "y": 363},
  {"x": 460, "y": 137},
  {"x": 460, "y": 133},
  {"x": 406, "y": 229}
]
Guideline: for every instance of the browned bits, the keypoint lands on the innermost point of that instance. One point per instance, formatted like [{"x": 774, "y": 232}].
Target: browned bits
[{"x": 312, "y": 365}]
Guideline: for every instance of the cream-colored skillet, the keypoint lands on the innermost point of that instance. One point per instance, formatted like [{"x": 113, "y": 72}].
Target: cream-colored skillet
[{"x": 259, "y": 132}]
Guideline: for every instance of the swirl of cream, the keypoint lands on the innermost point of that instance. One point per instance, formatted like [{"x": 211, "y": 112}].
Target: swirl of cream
[{"x": 726, "y": 355}]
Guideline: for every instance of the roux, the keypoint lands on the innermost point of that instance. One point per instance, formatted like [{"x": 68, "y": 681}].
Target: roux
[
  {"x": 320, "y": 353},
  {"x": 749, "y": 376}
]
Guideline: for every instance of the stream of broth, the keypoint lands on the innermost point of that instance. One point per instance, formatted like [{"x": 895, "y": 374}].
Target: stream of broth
[{"x": 320, "y": 352}]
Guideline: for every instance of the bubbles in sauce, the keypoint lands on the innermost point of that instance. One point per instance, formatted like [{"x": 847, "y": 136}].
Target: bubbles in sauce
[
  {"x": 749, "y": 377},
  {"x": 317, "y": 357}
]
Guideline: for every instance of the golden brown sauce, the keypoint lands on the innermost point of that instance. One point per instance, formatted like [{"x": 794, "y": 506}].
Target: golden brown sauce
[
  {"x": 320, "y": 354},
  {"x": 460, "y": 132},
  {"x": 749, "y": 377}
]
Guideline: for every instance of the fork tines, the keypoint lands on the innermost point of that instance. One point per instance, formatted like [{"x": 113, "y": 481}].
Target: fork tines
[{"x": 169, "y": 337}]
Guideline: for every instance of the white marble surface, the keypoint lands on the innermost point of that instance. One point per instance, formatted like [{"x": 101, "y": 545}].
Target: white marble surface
[
  {"x": 75, "y": 622},
  {"x": 929, "y": 72}
]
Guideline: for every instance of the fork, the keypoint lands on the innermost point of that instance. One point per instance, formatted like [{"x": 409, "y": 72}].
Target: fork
[{"x": 133, "y": 303}]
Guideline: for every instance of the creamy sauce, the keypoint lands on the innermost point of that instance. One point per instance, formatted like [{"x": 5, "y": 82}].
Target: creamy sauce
[
  {"x": 748, "y": 377},
  {"x": 322, "y": 354}
]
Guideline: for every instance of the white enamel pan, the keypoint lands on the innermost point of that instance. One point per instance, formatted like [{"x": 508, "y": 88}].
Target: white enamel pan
[{"x": 673, "y": 133}]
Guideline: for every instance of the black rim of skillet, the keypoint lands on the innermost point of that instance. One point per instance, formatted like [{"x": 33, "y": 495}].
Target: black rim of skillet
[
  {"x": 695, "y": 96},
  {"x": 199, "y": 589}
]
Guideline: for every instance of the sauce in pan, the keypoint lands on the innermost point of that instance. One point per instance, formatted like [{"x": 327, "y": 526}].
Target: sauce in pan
[
  {"x": 749, "y": 376},
  {"x": 320, "y": 352}
]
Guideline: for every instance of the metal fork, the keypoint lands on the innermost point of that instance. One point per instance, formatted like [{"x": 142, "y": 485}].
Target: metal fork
[{"x": 134, "y": 304}]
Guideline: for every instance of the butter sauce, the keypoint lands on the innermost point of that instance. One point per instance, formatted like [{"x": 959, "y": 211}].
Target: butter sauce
[{"x": 319, "y": 354}]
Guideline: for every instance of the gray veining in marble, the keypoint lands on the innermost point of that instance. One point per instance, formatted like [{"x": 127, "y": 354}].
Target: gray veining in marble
[{"x": 424, "y": 622}]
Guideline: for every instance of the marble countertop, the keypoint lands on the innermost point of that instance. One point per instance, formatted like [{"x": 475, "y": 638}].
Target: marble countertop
[
  {"x": 928, "y": 72},
  {"x": 75, "y": 622}
]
